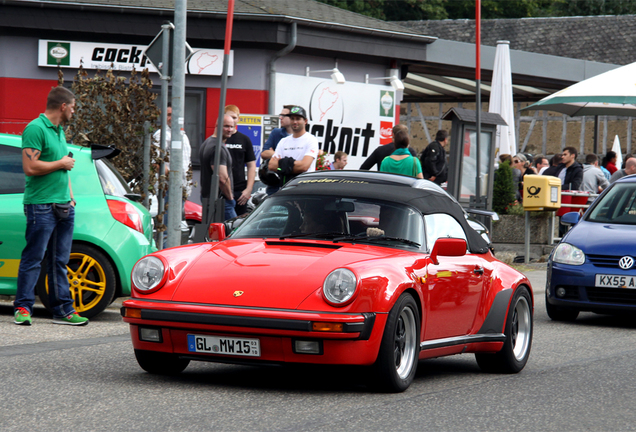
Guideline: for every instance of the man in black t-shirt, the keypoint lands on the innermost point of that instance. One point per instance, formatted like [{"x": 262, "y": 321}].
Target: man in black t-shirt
[
  {"x": 206, "y": 156},
  {"x": 242, "y": 151}
]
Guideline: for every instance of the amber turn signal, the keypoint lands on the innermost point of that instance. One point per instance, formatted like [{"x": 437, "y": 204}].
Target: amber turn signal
[
  {"x": 327, "y": 327},
  {"x": 132, "y": 313}
]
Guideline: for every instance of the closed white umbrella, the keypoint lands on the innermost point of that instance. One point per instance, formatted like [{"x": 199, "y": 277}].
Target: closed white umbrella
[
  {"x": 501, "y": 100},
  {"x": 610, "y": 93},
  {"x": 616, "y": 148}
]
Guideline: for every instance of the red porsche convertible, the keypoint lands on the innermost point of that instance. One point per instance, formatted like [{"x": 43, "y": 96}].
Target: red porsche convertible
[{"x": 341, "y": 268}]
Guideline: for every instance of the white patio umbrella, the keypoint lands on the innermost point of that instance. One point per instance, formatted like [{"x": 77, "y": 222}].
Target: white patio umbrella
[
  {"x": 616, "y": 148},
  {"x": 610, "y": 93},
  {"x": 501, "y": 100}
]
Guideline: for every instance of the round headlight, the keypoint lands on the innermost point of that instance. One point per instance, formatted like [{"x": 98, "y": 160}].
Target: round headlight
[
  {"x": 565, "y": 253},
  {"x": 339, "y": 286},
  {"x": 148, "y": 273}
]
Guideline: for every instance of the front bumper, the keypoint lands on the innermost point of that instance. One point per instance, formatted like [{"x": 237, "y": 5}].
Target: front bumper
[
  {"x": 581, "y": 292},
  {"x": 357, "y": 343}
]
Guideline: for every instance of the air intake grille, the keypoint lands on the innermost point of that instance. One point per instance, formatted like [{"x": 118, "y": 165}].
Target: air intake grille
[{"x": 612, "y": 295}]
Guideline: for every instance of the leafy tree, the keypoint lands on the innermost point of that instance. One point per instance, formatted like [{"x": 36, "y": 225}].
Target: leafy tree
[
  {"x": 110, "y": 110},
  {"x": 503, "y": 194},
  {"x": 404, "y": 10},
  {"x": 492, "y": 9},
  {"x": 592, "y": 7}
]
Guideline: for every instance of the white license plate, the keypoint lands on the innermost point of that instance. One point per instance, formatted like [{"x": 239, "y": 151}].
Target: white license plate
[
  {"x": 224, "y": 345},
  {"x": 615, "y": 281}
]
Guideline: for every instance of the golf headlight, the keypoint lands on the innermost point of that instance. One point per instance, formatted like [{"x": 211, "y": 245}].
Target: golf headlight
[
  {"x": 567, "y": 254},
  {"x": 148, "y": 273},
  {"x": 339, "y": 286}
]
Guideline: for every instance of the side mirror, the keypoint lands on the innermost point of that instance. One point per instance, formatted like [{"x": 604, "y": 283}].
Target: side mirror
[
  {"x": 570, "y": 218},
  {"x": 216, "y": 232},
  {"x": 448, "y": 247}
]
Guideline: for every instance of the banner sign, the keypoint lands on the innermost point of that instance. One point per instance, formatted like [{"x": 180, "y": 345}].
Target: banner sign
[
  {"x": 353, "y": 117},
  {"x": 252, "y": 126},
  {"x": 103, "y": 56}
]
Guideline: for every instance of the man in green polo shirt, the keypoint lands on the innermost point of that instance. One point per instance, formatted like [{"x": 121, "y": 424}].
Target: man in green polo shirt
[{"x": 50, "y": 211}]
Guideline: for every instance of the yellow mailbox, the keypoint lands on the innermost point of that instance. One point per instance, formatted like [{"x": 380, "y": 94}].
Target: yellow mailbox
[{"x": 541, "y": 193}]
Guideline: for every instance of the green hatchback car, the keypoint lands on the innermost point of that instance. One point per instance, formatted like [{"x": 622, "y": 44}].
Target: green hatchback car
[{"x": 111, "y": 232}]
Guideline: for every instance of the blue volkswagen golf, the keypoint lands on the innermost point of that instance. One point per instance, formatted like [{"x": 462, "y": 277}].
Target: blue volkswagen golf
[{"x": 592, "y": 269}]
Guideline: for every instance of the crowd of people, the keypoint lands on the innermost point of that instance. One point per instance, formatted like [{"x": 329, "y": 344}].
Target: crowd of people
[
  {"x": 592, "y": 176},
  {"x": 289, "y": 151}
]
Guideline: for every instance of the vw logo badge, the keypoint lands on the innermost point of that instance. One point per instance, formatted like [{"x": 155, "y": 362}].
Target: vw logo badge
[{"x": 626, "y": 262}]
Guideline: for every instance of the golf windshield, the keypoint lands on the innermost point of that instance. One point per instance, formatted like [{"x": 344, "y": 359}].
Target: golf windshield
[{"x": 617, "y": 206}]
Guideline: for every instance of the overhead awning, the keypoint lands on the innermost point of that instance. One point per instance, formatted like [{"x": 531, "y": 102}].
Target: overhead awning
[
  {"x": 445, "y": 88},
  {"x": 448, "y": 74}
]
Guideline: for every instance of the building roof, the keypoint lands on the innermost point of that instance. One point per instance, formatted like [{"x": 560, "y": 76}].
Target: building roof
[
  {"x": 605, "y": 39},
  {"x": 309, "y": 12}
]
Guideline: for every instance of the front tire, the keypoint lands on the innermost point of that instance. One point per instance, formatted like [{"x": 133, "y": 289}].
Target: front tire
[
  {"x": 557, "y": 313},
  {"x": 91, "y": 278},
  {"x": 160, "y": 363},
  {"x": 399, "y": 351},
  {"x": 516, "y": 349}
]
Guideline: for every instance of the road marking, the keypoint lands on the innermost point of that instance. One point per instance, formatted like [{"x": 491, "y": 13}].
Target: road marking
[{"x": 41, "y": 347}]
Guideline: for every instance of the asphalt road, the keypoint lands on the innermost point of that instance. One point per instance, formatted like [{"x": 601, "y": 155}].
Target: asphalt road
[{"x": 580, "y": 376}]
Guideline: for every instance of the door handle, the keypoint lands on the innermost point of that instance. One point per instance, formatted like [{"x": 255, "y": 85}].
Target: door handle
[{"x": 478, "y": 270}]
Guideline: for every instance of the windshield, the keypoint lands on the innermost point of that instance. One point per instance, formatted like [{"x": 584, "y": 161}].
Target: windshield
[
  {"x": 337, "y": 219},
  {"x": 617, "y": 206},
  {"x": 112, "y": 182}
]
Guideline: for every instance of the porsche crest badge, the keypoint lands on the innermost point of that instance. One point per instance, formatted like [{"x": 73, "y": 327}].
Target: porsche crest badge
[{"x": 237, "y": 293}]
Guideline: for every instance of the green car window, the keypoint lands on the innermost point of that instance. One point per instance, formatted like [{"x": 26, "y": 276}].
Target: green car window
[{"x": 12, "y": 180}]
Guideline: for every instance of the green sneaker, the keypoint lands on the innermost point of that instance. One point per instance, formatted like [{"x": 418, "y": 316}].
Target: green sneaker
[
  {"x": 73, "y": 319},
  {"x": 22, "y": 316}
]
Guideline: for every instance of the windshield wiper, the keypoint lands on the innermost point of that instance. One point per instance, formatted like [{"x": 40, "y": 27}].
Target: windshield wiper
[
  {"x": 325, "y": 235},
  {"x": 377, "y": 238}
]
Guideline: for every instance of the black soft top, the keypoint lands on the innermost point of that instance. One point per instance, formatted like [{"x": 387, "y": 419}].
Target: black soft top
[{"x": 424, "y": 195}]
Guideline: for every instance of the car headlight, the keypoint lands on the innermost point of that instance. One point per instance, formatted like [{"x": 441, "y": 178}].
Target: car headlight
[
  {"x": 567, "y": 254},
  {"x": 339, "y": 286},
  {"x": 148, "y": 273}
]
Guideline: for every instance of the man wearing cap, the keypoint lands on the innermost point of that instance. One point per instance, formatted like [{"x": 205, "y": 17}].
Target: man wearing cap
[{"x": 296, "y": 153}]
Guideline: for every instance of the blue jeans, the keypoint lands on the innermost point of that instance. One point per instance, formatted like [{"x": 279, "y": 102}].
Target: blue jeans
[
  {"x": 45, "y": 232},
  {"x": 230, "y": 211}
]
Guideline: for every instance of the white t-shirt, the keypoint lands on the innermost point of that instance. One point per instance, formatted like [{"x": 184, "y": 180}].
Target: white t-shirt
[
  {"x": 187, "y": 154},
  {"x": 298, "y": 148}
]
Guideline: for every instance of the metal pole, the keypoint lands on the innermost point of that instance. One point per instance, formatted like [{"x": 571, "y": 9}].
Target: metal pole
[
  {"x": 175, "y": 189},
  {"x": 526, "y": 259},
  {"x": 146, "y": 179},
  {"x": 595, "y": 147},
  {"x": 478, "y": 101},
  {"x": 166, "y": 29},
  {"x": 551, "y": 227},
  {"x": 214, "y": 192}
]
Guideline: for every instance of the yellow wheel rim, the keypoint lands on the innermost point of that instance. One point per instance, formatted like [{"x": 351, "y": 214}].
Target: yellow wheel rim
[{"x": 86, "y": 280}]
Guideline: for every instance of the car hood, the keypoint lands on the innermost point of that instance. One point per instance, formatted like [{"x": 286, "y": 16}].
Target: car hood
[
  {"x": 602, "y": 238},
  {"x": 263, "y": 273}
]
